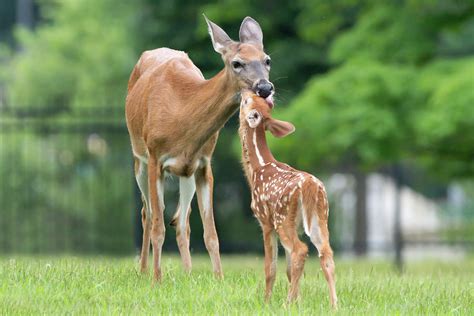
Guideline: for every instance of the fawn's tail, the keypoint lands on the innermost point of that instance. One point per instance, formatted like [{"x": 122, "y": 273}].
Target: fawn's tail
[{"x": 315, "y": 211}]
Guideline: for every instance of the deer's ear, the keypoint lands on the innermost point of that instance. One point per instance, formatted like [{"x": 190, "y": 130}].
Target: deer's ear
[
  {"x": 254, "y": 118},
  {"x": 250, "y": 32},
  {"x": 279, "y": 128},
  {"x": 220, "y": 39}
]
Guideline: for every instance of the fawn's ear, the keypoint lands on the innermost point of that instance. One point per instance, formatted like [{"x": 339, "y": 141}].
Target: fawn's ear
[
  {"x": 254, "y": 118},
  {"x": 246, "y": 102},
  {"x": 279, "y": 128},
  {"x": 220, "y": 39}
]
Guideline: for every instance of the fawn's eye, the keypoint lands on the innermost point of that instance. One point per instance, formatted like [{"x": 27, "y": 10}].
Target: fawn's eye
[
  {"x": 268, "y": 62},
  {"x": 237, "y": 65}
]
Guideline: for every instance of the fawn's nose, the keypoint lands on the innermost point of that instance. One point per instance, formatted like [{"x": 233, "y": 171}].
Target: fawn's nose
[{"x": 264, "y": 88}]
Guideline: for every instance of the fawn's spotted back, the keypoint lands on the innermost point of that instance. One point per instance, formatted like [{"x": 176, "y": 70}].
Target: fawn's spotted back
[{"x": 276, "y": 190}]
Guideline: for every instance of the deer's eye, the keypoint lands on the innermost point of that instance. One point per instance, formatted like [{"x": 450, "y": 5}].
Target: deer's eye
[
  {"x": 237, "y": 65},
  {"x": 268, "y": 62}
]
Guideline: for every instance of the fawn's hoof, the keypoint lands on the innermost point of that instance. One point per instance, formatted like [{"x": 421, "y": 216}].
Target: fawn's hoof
[{"x": 157, "y": 277}]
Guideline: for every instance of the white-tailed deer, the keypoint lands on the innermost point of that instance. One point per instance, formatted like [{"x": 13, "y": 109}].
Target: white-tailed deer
[
  {"x": 282, "y": 198},
  {"x": 173, "y": 116}
]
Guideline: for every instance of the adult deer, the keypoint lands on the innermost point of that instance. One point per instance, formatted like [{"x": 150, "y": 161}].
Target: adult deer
[
  {"x": 283, "y": 198},
  {"x": 173, "y": 117}
]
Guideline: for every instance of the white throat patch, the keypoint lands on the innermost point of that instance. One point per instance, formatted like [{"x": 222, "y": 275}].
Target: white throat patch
[{"x": 257, "y": 152}]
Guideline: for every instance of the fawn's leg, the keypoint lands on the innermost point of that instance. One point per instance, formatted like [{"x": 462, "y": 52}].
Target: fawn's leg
[
  {"x": 155, "y": 187},
  {"x": 271, "y": 257},
  {"x": 141, "y": 176},
  {"x": 299, "y": 251},
  {"x": 319, "y": 235},
  {"x": 187, "y": 188},
  {"x": 288, "y": 264},
  {"x": 204, "y": 188}
]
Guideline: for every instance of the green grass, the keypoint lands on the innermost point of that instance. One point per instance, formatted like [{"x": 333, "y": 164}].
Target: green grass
[{"x": 113, "y": 286}]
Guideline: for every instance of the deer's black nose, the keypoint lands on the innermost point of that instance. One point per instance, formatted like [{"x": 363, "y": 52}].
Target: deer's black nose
[{"x": 264, "y": 88}]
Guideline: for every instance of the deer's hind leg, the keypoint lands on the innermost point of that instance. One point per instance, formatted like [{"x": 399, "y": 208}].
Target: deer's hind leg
[
  {"x": 204, "y": 187},
  {"x": 187, "y": 188},
  {"x": 141, "y": 176},
  {"x": 156, "y": 202}
]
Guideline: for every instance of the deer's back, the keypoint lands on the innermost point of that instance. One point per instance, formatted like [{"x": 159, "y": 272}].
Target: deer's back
[{"x": 153, "y": 95}]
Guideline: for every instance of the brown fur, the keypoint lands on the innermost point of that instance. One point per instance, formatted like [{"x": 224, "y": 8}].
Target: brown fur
[{"x": 282, "y": 198}]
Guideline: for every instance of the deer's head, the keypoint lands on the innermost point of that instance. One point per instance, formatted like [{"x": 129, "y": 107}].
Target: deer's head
[
  {"x": 246, "y": 61},
  {"x": 255, "y": 111}
]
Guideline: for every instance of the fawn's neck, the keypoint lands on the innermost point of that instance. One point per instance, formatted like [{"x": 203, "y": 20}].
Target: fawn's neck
[{"x": 255, "y": 151}]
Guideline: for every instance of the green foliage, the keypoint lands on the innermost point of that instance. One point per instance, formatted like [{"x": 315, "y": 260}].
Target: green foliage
[
  {"x": 113, "y": 286},
  {"x": 375, "y": 82},
  {"x": 357, "y": 111},
  {"x": 407, "y": 32},
  {"x": 81, "y": 56},
  {"x": 395, "y": 94},
  {"x": 386, "y": 34},
  {"x": 321, "y": 21},
  {"x": 446, "y": 130}
]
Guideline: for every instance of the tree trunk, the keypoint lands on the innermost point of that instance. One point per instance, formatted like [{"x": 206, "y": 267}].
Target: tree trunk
[
  {"x": 25, "y": 13},
  {"x": 360, "y": 240}
]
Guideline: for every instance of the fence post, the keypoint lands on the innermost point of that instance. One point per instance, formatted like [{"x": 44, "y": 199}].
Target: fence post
[
  {"x": 398, "y": 236},
  {"x": 360, "y": 240}
]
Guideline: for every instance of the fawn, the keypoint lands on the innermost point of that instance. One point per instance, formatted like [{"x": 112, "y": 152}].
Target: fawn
[{"x": 282, "y": 198}]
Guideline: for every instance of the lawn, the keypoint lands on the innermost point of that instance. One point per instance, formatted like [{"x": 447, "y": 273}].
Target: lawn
[{"x": 82, "y": 285}]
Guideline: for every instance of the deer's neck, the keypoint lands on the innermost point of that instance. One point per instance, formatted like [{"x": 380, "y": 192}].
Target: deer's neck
[
  {"x": 255, "y": 151},
  {"x": 217, "y": 96},
  {"x": 214, "y": 100}
]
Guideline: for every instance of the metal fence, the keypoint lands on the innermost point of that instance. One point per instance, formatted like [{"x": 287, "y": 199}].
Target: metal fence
[
  {"x": 67, "y": 186},
  {"x": 66, "y": 183}
]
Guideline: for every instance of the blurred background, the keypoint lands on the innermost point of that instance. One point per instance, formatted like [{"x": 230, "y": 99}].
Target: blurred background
[{"x": 381, "y": 94}]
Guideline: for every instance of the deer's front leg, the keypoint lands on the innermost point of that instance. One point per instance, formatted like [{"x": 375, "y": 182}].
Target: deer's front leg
[
  {"x": 187, "y": 188},
  {"x": 204, "y": 188},
  {"x": 155, "y": 187},
  {"x": 271, "y": 256}
]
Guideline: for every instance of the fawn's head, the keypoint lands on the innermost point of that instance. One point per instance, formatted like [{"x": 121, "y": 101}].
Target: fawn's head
[
  {"x": 255, "y": 111},
  {"x": 245, "y": 60}
]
